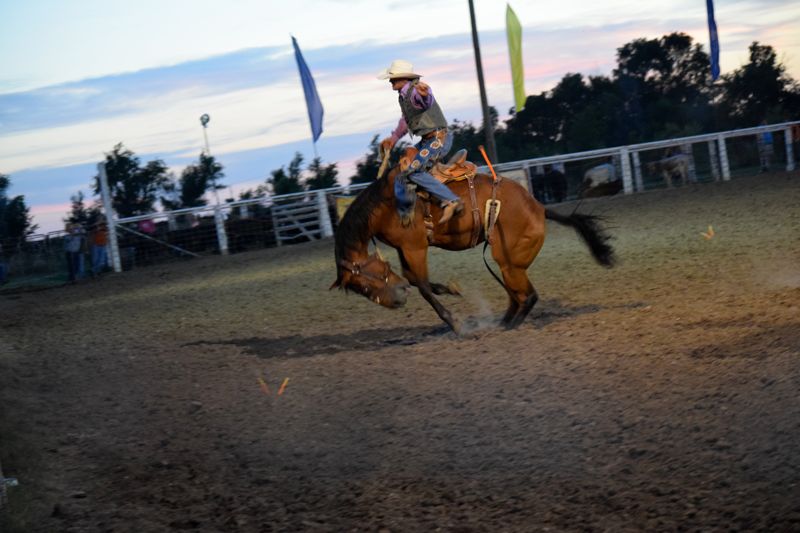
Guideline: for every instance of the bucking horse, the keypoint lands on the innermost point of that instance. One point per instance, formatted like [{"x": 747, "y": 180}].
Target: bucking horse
[{"x": 498, "y": 211}]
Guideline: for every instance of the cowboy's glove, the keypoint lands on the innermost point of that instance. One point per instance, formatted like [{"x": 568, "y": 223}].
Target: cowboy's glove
[{"x": 386, "y": 145}]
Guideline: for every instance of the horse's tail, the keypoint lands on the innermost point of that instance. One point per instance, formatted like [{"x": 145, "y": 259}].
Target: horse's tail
[{"x": 590, "y": 229}]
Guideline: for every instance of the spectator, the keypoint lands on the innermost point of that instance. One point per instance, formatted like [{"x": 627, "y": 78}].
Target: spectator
[
  {"x": 74, "y": 246},
  {"x": 555, "y": 183},
  {"x": 538, "y": 187},
  {"x": 98, "y": 240},
  {"x": 765, "y": 148},
  {"x": 796, "y": 141}
]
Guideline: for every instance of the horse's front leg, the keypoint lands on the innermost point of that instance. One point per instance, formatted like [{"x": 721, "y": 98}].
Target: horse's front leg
[
  {"x": 451, "y": 288},
  {"x": 415, "y": 270}
]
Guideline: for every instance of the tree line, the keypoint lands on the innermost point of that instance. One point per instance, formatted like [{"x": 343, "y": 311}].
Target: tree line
[{"x": 661, "y": 88}]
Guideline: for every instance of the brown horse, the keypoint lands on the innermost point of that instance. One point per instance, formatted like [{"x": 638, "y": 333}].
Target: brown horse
[{"x": 516, "y": 238}]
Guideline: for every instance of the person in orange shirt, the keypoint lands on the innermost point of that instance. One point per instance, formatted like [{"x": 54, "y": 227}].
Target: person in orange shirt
[{"x": 98, "y": 241}]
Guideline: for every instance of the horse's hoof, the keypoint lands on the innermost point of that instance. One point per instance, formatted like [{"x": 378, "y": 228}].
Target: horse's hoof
[{"x": 454, "y": 288}]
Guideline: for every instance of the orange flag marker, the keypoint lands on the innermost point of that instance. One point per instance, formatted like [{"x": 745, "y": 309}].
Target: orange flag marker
[{"x": 283, "y": 386}]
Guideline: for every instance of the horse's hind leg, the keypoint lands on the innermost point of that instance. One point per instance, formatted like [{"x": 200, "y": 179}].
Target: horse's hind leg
[
  {"x": 514, "y": 256},
  {"x": 524, "y": 309},
  {"x": 521, "y": 296}
]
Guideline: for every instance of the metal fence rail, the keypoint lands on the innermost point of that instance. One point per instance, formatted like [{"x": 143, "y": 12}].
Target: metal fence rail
[{"x": 273, "y": 221}]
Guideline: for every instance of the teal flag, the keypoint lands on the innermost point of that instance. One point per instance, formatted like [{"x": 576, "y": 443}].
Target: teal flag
[{"x": 514, "y": 31}]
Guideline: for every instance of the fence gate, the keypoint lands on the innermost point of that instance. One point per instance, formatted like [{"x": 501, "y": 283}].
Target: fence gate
[{"x": 292, "y": 220}]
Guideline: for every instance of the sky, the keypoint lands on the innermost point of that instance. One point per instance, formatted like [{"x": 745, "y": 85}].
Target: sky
[{"x": 79, "y": 77}]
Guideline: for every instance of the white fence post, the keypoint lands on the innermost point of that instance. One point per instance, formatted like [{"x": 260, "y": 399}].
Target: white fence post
[
  {"x": 222, "y": 237},
  {"x": 637, "y": 171},
  {"x": 787, "y": 135},
  {"x": 627, "y": 181},
  {"x": 686, "y": 149},
  {"x": 275, "y": 227},
  {"x": 723, "y": 158},
  {"x": 712, "y": 156},
  {"x": 105, "y": 194},
  {"x": 324, "y": 215}
]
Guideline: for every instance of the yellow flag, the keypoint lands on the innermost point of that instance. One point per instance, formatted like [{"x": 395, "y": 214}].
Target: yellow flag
[{"x": 514, "y": 31}]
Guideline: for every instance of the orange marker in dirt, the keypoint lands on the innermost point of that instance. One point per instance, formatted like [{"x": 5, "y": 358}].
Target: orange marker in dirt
[
  {"x": 283, "y": 386},
  {"x": 263, "y": 385}
]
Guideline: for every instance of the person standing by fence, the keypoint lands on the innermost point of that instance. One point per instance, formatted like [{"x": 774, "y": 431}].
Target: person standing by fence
[
  {"x": 98, "y": 241},
  {"x": 74, "y": 247},
  {"x": 555, "y": 184},
  {"x": 765, "y": 148},
  {"x": 796, "y": 141}
]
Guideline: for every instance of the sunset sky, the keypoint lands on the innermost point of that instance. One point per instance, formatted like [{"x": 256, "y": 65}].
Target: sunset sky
[{"x": 80, "y": 76}]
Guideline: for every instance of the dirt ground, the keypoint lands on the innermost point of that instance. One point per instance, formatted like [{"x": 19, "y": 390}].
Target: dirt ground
[{"x": 661, "y": 395}]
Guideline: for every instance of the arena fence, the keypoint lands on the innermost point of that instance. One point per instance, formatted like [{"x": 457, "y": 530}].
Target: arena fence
[
  {"x": 712, "y": 157},
  {"x": 286, "y": 219}
]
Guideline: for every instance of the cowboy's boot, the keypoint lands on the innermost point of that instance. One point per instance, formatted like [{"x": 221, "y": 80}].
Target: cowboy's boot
[{"x": 456, "y": 207}]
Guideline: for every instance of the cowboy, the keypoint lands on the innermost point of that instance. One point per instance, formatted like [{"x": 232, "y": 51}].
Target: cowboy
[{"x": 422, "y": 116}]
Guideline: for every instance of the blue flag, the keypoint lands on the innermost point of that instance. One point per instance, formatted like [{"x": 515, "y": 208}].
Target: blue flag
[
  {"x": 712, "y": 32},
  {"x": 310, "y": 89}
]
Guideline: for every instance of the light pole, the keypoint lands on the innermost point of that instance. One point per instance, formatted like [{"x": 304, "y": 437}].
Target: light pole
[
  {"x": 487, "y": 120},
  {"x": 204, "y": 120}
]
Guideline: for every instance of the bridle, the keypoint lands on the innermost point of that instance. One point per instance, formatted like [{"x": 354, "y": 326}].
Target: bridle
[{"x": 356, "y": 269}]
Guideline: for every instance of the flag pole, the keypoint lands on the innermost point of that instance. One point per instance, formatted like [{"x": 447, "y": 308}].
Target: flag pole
[{"x": 487, "y": 120}]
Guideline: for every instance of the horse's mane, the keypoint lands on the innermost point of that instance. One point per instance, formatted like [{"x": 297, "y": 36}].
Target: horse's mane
[{"x": 353, "y": 229}]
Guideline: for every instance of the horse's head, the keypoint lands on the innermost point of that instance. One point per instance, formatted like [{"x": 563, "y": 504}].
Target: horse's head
[{"x": 373, "y": 279}]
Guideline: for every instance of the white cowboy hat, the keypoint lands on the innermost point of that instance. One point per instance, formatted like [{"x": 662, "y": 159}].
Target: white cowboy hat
[{"x": 398, "y": 69}]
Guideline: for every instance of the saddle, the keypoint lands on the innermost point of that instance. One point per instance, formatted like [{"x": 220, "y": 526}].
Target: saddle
[{"x": 457, "y": 167}]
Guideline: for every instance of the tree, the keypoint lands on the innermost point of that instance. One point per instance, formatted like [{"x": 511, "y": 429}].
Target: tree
[
  {"x": 367, "y": 168},
  {"x": 15, "y": 219},
  {"x": 666, "y": 84},
  {"x": 759, "y": 90},
  {"x": 322, "y": 177},
  {"x": 195, "y": 181},
  {"x": 283, "y": 183},
  {"x": 134, "y": 189},
  {"x": 80, "y": 214}
]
